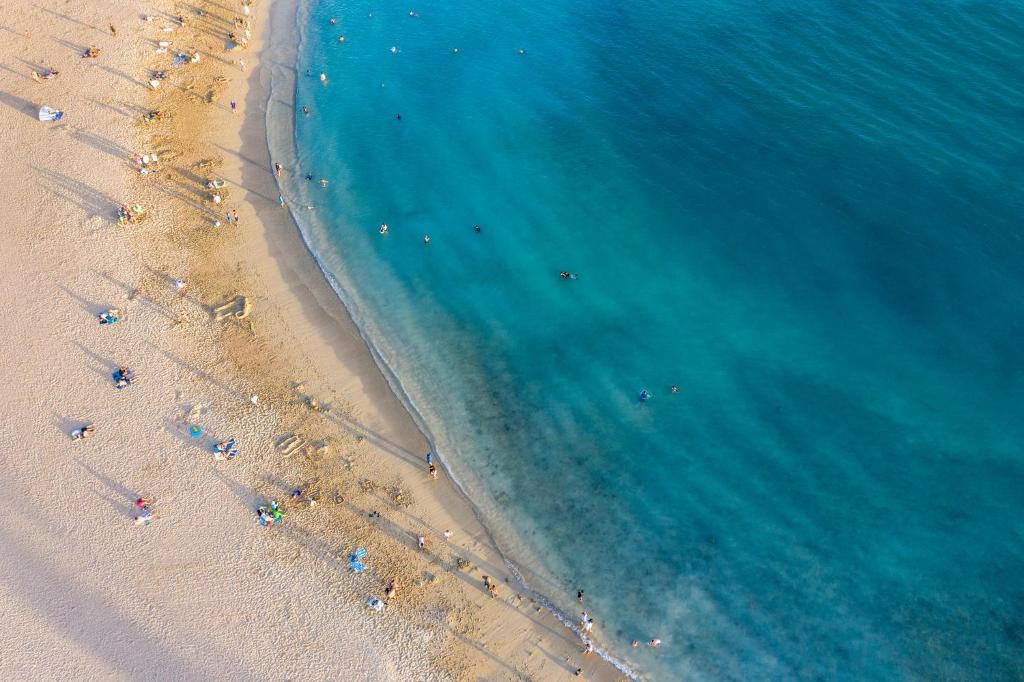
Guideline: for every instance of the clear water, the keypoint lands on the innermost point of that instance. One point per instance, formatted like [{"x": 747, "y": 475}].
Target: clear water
[{"x": 808, "y": 216}]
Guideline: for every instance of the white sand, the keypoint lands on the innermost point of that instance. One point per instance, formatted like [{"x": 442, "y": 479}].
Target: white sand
[{"x": 203, "y": 592}]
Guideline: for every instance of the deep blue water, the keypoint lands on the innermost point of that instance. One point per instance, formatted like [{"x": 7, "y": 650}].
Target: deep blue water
[{"x": 808, "y": 216}]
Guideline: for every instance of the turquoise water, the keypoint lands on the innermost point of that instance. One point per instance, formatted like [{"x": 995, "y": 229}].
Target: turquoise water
[{"x": 808, "y": 216}]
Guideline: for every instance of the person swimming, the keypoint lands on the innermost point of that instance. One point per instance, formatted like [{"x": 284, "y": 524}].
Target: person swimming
[
  {"x": 398, "y": 117},
  {"x": 323, "y": 77},
  {"x": 645, "y": 395},
  {"x": 565, "y": 274},
  {"x": 333, "y": 21},
  {"x": 383, "y": 228},
  {"x": 476, "y": 228},
  {"x": 305, "y": 110}
]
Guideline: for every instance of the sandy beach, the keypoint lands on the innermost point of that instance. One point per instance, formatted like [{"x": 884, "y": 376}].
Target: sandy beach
[{"x": 251, "y": 343}]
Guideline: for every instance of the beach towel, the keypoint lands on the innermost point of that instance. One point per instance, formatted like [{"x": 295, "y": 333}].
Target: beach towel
[{"x": 48, "y": 114}]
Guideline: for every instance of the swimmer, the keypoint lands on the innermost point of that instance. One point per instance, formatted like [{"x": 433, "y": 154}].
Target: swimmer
[
  {"x": 455, "y": 50},
  {"x": 636, "y": 644},
  {"x": 394, "y": 49},
  {"x": 333, "y": 21},
  {"x": 565, "y": 274},
  {"x": 674, "y": 389},
  {"x": 413, "y": 14},
  {"x": 398, "y": 117},
  {"x": 323, "y": 77},
  {"x": 305, "y": 110},
  {"x": 522, "y": 51},
  {"x": 309, "y": 176},
  {"x": 645, "y": 395},
  {"x": 341, "y": 39},
  {"x": 476, "y": 228},
  {"x": 654, "y": 643},
  {"x": 383, "y": 228},
  {"x": 426, "y": 239},
  {"x": 323, "y": 182}
]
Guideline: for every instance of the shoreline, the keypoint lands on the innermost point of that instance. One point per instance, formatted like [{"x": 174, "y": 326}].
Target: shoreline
[
  {"x": 204, "y": 591},
  {"x": 287, "y": 72}
]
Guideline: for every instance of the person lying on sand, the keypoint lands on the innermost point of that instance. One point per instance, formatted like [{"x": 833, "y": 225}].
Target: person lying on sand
[
  {"x": 109, "y": 317},
  {"x": 46, "y": 75},
  {"x": 82, "y": 432},
  {"x": 392, "y": 589},
  {"x": 123, "y": 378},
  {"x": 91, "y": 53}
]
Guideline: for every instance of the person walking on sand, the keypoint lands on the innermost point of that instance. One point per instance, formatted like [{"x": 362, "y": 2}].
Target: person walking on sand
[
  {"x": 432, "y": 470},
  {"x": 421, "y": 542},
  {"x": 277, "y": 169},
  {"x": 589, "y": 648},
  {"x": 234, "y": 106},
  {"x": 234, "y": 216}
]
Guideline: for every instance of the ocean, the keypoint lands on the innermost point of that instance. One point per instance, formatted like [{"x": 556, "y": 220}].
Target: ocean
[{"x": 806, "y": 217}]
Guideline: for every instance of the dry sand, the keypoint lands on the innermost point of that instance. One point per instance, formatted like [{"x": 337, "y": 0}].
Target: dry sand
[{"x": 204, "y": 591}]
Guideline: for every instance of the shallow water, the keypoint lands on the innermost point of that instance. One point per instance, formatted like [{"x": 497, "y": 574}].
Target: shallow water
[{"x": 805, "y": 215}]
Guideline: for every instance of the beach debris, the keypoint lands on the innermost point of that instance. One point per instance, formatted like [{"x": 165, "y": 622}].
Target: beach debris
[
  {"x": 82, "y": 432},
  {"x": 206, "y": 164},
  {"x": 398, "y": 494},
  {"x": 237, "y": 307}
]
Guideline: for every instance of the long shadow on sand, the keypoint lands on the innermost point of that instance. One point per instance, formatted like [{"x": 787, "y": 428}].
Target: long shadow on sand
[{"x": 24, "y": 106}]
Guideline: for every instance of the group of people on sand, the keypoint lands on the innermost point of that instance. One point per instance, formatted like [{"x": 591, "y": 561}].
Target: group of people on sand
[{"x": 127, "y": 215}]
